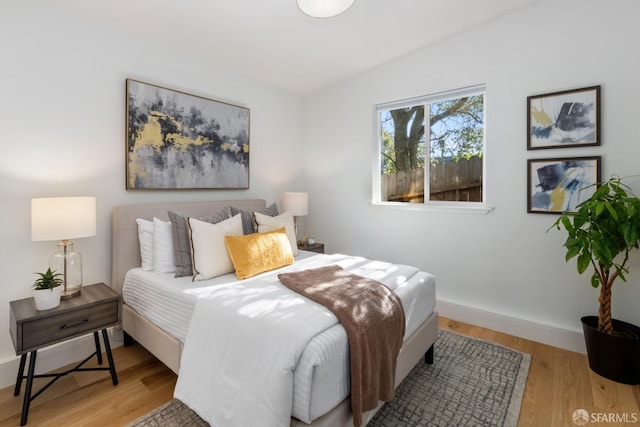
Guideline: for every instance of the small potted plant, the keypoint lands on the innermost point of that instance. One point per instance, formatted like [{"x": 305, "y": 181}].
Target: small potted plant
[
  {"x": 48, "y": 288},
  {"x": 601, "y": 234}
]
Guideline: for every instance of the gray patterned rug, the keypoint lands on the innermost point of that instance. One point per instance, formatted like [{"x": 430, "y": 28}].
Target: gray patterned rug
[{"x": 471, "y": 383}]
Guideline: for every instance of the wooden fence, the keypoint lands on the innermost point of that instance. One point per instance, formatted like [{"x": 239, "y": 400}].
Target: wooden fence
[{"x": 453, "y": 181}]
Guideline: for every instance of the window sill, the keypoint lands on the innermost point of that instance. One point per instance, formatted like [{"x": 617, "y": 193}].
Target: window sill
[{"x": 437, "y": 208}]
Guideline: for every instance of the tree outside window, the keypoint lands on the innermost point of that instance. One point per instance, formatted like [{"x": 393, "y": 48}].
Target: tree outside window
[{"x": 440, "y": 155}]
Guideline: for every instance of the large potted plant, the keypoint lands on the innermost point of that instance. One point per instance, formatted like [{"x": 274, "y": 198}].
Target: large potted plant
[
  {"x": 601, "y": 234},
  {"x": 47, "y": 288}
]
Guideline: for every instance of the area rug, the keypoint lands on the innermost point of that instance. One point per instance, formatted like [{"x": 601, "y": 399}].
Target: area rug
[{"x": 471, "y": 383}]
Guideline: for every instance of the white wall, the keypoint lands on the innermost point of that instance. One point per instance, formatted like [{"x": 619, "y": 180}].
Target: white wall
[
  {"x": 62, "y": 133},
  {"x": 501, "y": 270}
]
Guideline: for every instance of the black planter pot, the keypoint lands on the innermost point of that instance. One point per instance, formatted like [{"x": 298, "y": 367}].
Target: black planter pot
[{"x": 614, "y": 357}]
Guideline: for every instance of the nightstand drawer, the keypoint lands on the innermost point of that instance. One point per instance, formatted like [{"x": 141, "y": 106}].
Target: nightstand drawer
[{"x": 66, "y": 325}]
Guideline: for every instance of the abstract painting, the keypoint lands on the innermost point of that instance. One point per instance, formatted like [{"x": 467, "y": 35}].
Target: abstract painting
[
  {"x": 564, "y": 119},
  {"x": 558, "y": 185},
  {"x": 180, "y": 141}
]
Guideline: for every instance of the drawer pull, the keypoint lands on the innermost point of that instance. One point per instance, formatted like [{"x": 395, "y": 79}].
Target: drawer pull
[{"x": 73, "y": 325}]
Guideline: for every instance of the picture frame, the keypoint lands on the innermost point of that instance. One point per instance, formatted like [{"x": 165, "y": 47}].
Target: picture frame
[
  {"x": 570, "y": 118},
  {"x": 176, "y": 140},
  {"x": 556, "y": 185}
]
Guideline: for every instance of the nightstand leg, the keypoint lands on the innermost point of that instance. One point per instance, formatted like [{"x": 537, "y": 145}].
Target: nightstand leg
[
  {"x": 23, "y": 360},
  {"x": 96, "y": 338},
  {"x": 112, "y": 366},
  {"x": 27, "y": 390}
]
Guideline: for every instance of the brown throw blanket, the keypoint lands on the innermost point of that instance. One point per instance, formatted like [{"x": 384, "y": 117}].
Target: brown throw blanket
[{"x": 374, "y": 320}]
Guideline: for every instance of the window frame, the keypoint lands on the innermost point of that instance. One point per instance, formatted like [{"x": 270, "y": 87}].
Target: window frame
[{"x": 429, "y": 205}]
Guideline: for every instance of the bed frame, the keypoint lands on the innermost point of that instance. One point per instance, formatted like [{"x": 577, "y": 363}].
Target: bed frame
[{"x": 126, "y": 255}]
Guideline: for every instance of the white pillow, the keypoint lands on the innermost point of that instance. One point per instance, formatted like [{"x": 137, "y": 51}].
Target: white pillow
[
  {"x": 163, "y": 261},
  {"x": 270, "y": 223},
  {"x": 145, "y": 238},
  {"x": 209, "y": 254}
]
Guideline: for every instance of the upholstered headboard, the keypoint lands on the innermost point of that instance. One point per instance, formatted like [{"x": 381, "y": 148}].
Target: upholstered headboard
[{"x": 126, "y": 249}]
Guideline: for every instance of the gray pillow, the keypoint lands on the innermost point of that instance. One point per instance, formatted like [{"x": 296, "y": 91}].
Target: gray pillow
[
  {"x": 182, "y": 242},
  {"x": 248, "y": 221}
]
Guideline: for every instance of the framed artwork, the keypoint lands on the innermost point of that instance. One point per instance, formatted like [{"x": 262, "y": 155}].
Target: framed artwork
[
  {"x": 558, "y": 185},
  {"x": 180, "y": 141},
  {"x": 564, "y": 119}
]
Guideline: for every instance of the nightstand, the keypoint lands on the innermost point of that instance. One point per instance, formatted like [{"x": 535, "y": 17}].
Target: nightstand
[
  {"x": 97, "y": 308},
  {"x": 316, "y": 247}
]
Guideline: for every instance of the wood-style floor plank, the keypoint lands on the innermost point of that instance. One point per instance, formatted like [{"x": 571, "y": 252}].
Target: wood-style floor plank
[
  {"x": 90, "y": 399},
  {"x": 559, "y": 383}
]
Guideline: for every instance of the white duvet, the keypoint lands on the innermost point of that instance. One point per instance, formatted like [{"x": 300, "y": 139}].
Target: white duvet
[{"x": 245, "y": 341}]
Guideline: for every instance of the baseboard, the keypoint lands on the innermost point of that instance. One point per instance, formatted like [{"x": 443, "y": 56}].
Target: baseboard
[
  {"x": 552, "y": 335},
  {"x": 56, "y": 356}
]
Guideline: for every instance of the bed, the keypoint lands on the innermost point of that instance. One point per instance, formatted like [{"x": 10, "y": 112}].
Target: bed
[{"x": 166, "y": 341}]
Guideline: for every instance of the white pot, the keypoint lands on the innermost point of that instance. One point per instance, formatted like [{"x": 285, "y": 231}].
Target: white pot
[{"x": 47, "y": 298}]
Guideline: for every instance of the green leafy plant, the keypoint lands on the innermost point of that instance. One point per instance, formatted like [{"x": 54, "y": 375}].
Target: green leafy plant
[
  {"x": 601, "y": 233},
  {"x": 48, "y": 280}
]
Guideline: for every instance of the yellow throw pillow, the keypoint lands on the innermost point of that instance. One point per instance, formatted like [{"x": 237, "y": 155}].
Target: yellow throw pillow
[{"x": 256, "y": 253}]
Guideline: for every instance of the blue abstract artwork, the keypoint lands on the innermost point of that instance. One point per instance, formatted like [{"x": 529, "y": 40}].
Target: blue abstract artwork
[
  {"x": 561, "y": 119},
  {"x": 558, "y": 185}
]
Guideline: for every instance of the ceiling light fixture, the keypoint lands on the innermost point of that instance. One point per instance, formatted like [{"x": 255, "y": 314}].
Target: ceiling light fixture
[{"x": 324, "y": 8}]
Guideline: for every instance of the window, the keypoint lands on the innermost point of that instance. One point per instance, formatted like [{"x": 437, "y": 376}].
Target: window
[{"x": 431, "y": 150}]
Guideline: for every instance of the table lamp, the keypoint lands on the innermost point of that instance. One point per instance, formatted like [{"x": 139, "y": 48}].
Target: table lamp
[
  {"x": 297, "y": 204},
  {"x": 64, "y": 218}
]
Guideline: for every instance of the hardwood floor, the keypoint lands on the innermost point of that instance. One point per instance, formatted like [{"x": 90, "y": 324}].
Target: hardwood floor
[
  {"x": 559, "y": 383},
  {"x": 90, "y": 399}
]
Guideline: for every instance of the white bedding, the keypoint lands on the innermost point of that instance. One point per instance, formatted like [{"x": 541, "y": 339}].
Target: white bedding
[{"x": 322, "y": 372}]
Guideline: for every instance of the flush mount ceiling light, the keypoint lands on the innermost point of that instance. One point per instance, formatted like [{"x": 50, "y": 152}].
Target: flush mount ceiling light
[{"x": 324, "y": 8}]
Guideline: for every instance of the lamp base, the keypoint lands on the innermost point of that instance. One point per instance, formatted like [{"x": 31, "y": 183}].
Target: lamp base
[
  {"x": 70, "y": 293},
  {"x": 69, "y": 264}
]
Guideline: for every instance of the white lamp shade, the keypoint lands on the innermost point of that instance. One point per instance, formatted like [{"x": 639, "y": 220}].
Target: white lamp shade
[
  {"x": 324, "y": 8},
  {"x": 296, "y": 203},
  {"x": 62, "y": 218}
]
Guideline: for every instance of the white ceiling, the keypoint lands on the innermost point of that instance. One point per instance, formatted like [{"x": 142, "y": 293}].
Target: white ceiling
[{"x": 272, "y": 41}]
